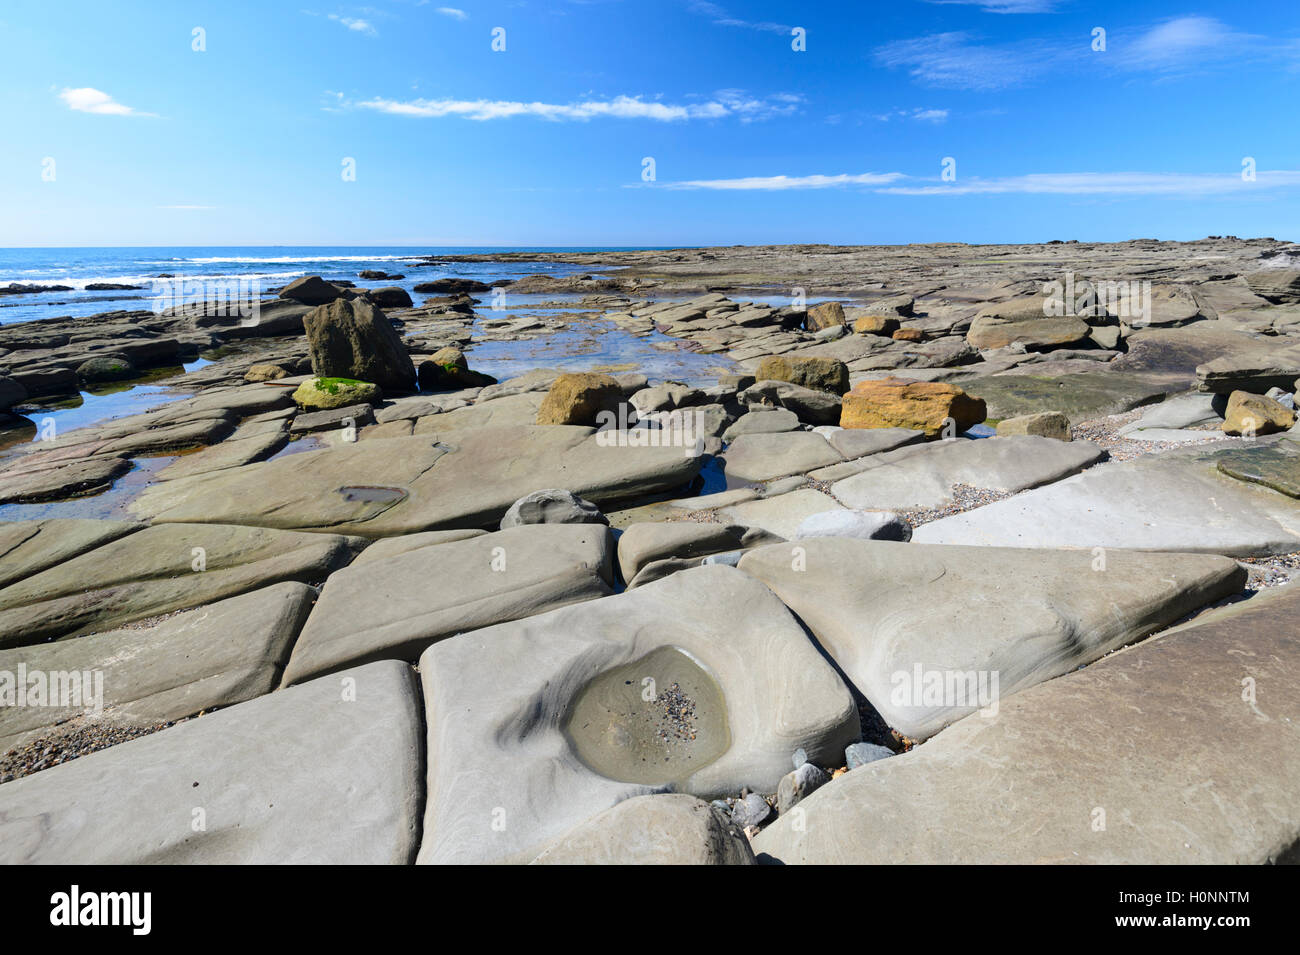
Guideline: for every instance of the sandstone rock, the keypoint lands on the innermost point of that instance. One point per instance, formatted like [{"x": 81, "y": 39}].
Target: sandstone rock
[
  {"x": 1024, "y": 616},
  {"x": 908, "y": 335},
  {"x": 861, "y": 525},
  {"x": 11, "y": 392},
  {"x": 781, "y": 514},
  {"x": 106, "y": 368},
  {"x": 386, "y": 608},
  {"x": 265, "y": 372},
  {"x": 311, "y": 290},
  {"x": 379, "y": 488},
  {"x": 390, "y": 296},
  {"x": 554, "y": 705},
  {"x": 821, "y": 374},
  {"x": 255, "y": 770},
  {"x": 875, "y": 324},
  {"x": 1255, "y": 414},
  {"x": 1045, "y": 424},
  {"x": 825, "y": 315},
  {"x": 811, "y": 405},
  {"x": 1232, "y": 373},
  {"x": 29, "y": 547},
  {"x": 158, "y": 570},
  {"x": 1079, "y": 396},
  {"x": 1036, "y": 334},
  {"x": 804, "y": 781},
  {"x": 667, "y": 829},
  {"x": 762, "y": 420},
  {"x": 642, "y": 544},
  {"x": 906, "y": 403},
  {"x": 579, "y": 398},
  {"x": 353, "y": 339},
  {"x": 552, "y": 506},
  {"x": 1174, "y": 501},
  {"x": 762, "y": 457},
  {"x": 220, "y": 654},
  {"x": 19, "y": 484},
  {"x": 447, "y": 370},
  {"x": 323, "y": 394},
  {"x": 230, "y": 453},
  {"x": 1213, "y": 780}
]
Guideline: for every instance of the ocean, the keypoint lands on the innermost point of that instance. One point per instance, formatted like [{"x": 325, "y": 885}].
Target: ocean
[{"x": 271, "y": 266}]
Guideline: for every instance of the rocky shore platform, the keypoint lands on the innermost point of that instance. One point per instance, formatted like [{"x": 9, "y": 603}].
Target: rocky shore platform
[{"x": 808, "y": 554}]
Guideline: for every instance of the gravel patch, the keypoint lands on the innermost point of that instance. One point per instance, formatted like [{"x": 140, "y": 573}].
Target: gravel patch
[{"x": 70, "y": 740}]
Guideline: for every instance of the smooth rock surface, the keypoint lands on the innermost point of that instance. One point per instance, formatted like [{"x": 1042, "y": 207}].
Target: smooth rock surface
[{"x": 1005, "y": 618}]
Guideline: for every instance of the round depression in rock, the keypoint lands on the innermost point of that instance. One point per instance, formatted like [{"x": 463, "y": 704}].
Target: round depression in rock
[{"x": 657, "y": 719}]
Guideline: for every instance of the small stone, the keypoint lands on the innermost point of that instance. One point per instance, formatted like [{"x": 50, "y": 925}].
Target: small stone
[
  {"x": 1045, "y": 424},
  {"x": 752, "y": 810},
  {"x": 800, "y": 757},
  {"x": 797, "y": 785},
  {"x": 859, "y": 754},
  {"x": 552, "y": 506}
]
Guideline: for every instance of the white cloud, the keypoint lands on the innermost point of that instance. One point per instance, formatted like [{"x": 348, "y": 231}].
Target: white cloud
[
  {"x": 722, "y": 18},
  {"x": 86, "y": 99},
  {"x": 1189, "y": 185},
  {"x": 1184, "y": 43},
  {"x": 724, "y": 104},
  {"x": 919, "y": 115},
  {"x": 773, "y": 183},
  {"x": 355, "y": 24},
  {"x": 453, "y": 13},
  {"x": 953, "y": 60},
  {"x": 1004, "y": 6}
]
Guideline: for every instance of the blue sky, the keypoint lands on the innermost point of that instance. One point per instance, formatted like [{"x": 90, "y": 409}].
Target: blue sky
[{"x": 543, "y": 143}]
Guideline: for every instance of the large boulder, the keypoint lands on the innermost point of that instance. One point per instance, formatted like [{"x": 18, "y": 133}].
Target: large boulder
[
  {"x": 578, "y": 709},
  {"x": 822, "y": 374},
  {"x": 809, "y": 404},
  {"x": 580, "y": 398},
  {"x": 1255, "y": 414},
  {"x": 1035, "y": 334},
  {"x": 324, "y": 394},
  {"x": 932, "y": 634},
  {"x": 353, "y": 339},
  {"x": 823, "y": 316},
  {"x": 106, "y": 368},
  {"x": 1178, "y": 751},
  {"x": 929, "y": 406},
  {"x": 1276, "y": 285},
  {"x": 311, "y": 290},
  {"x": 325, "y": 773},
  {"x": 391, "y": 296}
]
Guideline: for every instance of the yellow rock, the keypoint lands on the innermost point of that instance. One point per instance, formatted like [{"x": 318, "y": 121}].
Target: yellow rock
[
  {"x": 876, "y": 325},
  {"x": 824, "y": 374},
  {"x": 577, "y": 398},
  {"x": 1255, "y": 414},
  {"x": 905, "y": 403}
]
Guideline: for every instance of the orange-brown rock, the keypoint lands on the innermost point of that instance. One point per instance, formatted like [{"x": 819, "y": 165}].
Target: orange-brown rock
[
  {"x": 876, "y": 325},
  {"x": 577, "y": 398},
  {"x": 926, "y": 406},
  {"x": 908, "y": 335},
  {"x": 825, "y": 315}
]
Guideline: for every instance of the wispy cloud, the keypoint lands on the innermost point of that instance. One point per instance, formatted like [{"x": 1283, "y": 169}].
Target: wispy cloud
[
  {"x": 1115, "y": 184},
  {"x": 355, "y": 24},
  {"x": 454, "y": 13},
  {"x": 722, "y": 105},
  {"x": 773, "y": 183},
  {"x": 1004, "y": 6},
  {"x": 959, "y": 60},
  {"x": 1185, "y": 185},
  {"x": 917, "y": 114},
  {"x": 86, "y": 99},
  {"x": 724, "y": 19}
]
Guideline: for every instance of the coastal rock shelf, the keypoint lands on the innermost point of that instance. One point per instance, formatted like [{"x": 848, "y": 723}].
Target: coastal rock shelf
[{"x": 663, "y": 561}]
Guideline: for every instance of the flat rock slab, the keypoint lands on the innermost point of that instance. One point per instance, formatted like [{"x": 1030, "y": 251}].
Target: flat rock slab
[
  {"x": 231, "y": 453},
  {"x": 224, "y": 653},
  {"x": 644, "y": 543},
  {"x": 1079, "y": 397},
  {"x": 28, "y": 547},
  {"x": 1275, "y": 466},
  {"x": 924, "y": 475},
  {"x": 932, "y": 634},
  {"x": 426, "y": 482},
  {"x": 394, "y": 607},
  {"x": 325, "y": 773},
  {"x": 62, "y": 480},
  {"x": 1156, "y": 742},
  {"x": 157, "y": 571},
  {"x": 783, "y": 513},
  {"x": 1174, "y": 501},
  {"x": 656, "y": 686},
  {"x": 666, "y": 829},
  {"x": 763, "y": 457}
]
